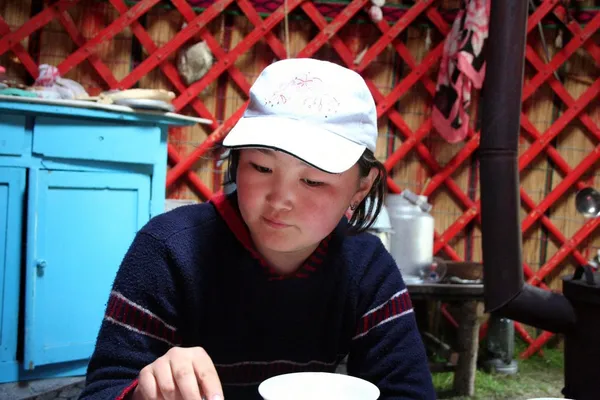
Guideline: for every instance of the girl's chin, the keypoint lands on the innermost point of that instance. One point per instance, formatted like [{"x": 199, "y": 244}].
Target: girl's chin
[{"x": 279, "y": 245}]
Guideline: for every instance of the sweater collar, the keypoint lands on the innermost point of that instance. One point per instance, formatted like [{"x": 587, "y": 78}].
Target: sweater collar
[{"x": 227, "y": 207}]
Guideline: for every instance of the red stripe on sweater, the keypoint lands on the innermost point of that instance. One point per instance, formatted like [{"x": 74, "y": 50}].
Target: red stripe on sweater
[
  {"x": 128, "y": 390},
  {"x": 394, "y": 306},
  {"x": 315, "y": 258},
  {"x": 252, "y": 373},
  {"x": 140, "y": 320}
]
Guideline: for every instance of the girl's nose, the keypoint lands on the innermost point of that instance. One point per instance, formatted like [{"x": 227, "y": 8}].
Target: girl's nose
[{"x": 281, "y": 195}]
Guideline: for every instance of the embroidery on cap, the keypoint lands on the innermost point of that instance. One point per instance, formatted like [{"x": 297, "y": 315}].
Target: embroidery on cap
[{"x": 307, "y": 93}]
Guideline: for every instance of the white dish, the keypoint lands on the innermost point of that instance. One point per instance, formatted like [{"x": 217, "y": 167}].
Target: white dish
[
  {"x": 317, "y": 386},
  {"x": 148, "y": 104}
]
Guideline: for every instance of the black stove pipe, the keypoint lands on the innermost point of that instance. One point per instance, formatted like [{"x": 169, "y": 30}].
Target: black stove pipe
[{"x": 505, "y": 292}]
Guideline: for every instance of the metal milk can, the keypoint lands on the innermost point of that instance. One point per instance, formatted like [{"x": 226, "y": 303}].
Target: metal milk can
[
  {"x": 412, "y": 238},
  {"x": 382, "y": 226}
]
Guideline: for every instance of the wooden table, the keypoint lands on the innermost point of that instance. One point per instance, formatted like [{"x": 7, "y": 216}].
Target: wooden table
[{"x": 470, "y": 298}]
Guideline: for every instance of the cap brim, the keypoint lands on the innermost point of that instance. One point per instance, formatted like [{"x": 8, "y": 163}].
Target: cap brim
[{"x": 318, "y": 147}]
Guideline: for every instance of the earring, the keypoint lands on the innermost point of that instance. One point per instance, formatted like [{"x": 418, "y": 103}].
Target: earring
[{"x": 353, "y": 206}]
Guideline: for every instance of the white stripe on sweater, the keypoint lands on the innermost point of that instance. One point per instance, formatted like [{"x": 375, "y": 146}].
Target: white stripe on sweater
[
  {"x": 131, "y": 328},
  {"x": 400, "y": 293},
  {"x": 383, "y": 322},
  {"x": 238, "y": 364},
  {"x": 142, "y": 309}
]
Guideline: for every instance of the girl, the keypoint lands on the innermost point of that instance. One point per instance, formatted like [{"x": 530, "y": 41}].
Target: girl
[{"x": 271, "y": 278}]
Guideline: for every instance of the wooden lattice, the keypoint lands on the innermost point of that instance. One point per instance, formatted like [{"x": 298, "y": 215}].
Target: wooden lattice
[{"x": 330, "y": 18}]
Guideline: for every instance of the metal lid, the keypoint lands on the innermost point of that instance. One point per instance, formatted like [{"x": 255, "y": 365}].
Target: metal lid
[{"x": 419, "y": 201}]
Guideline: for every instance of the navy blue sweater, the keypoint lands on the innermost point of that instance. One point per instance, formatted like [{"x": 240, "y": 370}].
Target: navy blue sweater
[{"x": 193, "y": 278}]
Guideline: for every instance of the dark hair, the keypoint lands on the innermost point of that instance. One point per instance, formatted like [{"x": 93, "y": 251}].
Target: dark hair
[{"x": 366, "y": 212}]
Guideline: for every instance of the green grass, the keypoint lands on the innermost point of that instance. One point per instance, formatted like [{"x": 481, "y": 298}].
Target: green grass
[{"x": 537, "y": 377}]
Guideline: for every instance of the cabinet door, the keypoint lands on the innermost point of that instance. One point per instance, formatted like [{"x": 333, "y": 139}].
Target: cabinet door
[
  {"x": 12, "y": 190},
  {"x": 80, "y": 225}
]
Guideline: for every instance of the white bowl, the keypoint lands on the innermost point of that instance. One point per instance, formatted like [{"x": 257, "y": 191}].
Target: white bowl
[{"x": 317, "y": 386}]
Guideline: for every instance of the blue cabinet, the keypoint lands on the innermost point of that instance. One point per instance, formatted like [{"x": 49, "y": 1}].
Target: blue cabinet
[
  {"x": 12, "y": 191},
  {"x": 76, "y": 184},
  {"x": 81, "y": 228}
]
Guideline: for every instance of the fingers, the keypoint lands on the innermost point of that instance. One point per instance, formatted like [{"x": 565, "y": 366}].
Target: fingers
[
  {"x": 207, "y": 376},
  {"x": 185, "y": 380},
  {"x": 164, "y": 378},
  {"x": 147, "y": 388},
  {"x": 181, "y": 374}
]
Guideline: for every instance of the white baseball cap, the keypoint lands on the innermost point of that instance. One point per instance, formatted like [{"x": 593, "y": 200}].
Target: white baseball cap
[{"x": 317, "y": 111}]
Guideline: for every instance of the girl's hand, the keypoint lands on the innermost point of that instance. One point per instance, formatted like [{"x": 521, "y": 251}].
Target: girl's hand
[{"x": 180, "y": 374}]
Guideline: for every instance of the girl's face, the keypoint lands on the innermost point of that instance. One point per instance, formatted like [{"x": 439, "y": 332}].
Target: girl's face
[{"x": 290, "y": 206}]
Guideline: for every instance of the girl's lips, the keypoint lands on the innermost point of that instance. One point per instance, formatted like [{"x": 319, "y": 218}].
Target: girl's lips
[{"x": 274, "y": 224}]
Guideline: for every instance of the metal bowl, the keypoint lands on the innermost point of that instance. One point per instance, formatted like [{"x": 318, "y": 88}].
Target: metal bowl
[{"x": 587, "y": 202}]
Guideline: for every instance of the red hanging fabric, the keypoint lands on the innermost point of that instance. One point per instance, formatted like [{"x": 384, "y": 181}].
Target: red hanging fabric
[{"x": 462, "y": 68}]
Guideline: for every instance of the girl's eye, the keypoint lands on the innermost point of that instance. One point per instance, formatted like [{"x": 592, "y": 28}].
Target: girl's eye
[
  {"x": 260, "y": 168},
  {"x": 312, "y": 183}
]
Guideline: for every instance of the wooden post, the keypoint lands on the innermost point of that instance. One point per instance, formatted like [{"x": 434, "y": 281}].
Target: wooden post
[{"x": 468, "y": 344}]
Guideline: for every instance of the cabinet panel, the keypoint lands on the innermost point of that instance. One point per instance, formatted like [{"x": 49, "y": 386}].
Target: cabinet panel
[
  {"x": 95, "y": 140},
  {"x": 81, "y": 227},
  {"x": 12, "y": 134},
  {"x": 12, "y": 191}
]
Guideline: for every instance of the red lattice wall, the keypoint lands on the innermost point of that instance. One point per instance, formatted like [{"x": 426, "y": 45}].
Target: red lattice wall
[{"x": 115, "y": 44}]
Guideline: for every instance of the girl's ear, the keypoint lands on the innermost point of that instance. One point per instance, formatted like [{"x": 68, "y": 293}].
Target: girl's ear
[{"x": 364, "y": 186}]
